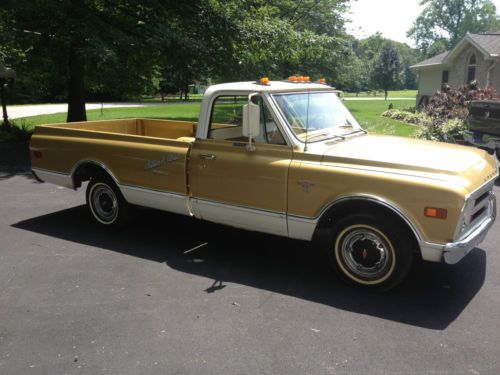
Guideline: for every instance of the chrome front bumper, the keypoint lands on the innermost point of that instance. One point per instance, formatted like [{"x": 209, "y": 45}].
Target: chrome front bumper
[{"x": 453, "y": 252}]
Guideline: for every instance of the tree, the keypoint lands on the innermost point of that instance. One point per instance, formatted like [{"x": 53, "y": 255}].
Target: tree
[
  {"x": 279, "y": 38},
  {"x": 368, "y": 49},
  {"x": 386, "y": 70},
  {"x": 450, "y": 20},
  {"x": 105, "y": 46}
]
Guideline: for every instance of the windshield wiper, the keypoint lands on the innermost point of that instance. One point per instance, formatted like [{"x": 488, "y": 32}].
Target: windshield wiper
[
  {"x": 357, "y": 131},
  {"x": 326, "y": 135}
]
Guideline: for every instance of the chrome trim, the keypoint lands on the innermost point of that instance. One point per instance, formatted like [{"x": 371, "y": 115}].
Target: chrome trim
[
  {"x": 90, "y": 161},
  {"x": 158, "y": 199},
  {"x": 53, "y": 177},
  {"x": 239, "y": 206},
  {"x": 453, "y": 252},
  {"x": 487, "y": 186},
  {"x": 238, "y": 216},
  {"x": 365, "y": 197}
]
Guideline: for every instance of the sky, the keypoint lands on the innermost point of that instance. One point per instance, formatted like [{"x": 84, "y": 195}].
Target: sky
[{"x": 393, "y": 18}]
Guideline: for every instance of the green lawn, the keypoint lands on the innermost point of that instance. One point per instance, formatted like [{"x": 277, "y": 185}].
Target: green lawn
[
  {"x": 185, "y": 111},
  {"x": 410, "y": 94},
  {"x": 367, "y": 112}
]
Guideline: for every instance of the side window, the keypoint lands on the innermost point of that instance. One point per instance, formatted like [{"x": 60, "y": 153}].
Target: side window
[
  {"x": 226, "y": 121},
  {"x": 269, "y": 130},
  {"x": 227, "y": 118}
]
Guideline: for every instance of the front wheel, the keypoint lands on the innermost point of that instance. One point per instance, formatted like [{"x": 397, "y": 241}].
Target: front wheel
[
  {"x": 371, "y": 252},
  {"x": 106, "y": 203}
]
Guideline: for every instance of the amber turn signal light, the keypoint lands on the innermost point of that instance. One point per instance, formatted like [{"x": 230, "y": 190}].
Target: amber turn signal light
[
  {"x": 437, "y": 213},
  {"x": 264, "y": 81},
  {"x": 37, "y": 154}
]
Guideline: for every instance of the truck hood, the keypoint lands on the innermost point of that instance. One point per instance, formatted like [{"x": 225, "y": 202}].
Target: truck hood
[{"x": 467, "y": 166}]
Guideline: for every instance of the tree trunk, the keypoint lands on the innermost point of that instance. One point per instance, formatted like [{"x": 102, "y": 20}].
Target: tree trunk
[
  {"x": 386, "y": 94},
  {"x": 76, "y": 88},
  {"x": 6, "y": 124}
]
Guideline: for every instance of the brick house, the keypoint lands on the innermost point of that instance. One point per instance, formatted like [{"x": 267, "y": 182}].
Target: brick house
[{"x": 475, "y": 57}]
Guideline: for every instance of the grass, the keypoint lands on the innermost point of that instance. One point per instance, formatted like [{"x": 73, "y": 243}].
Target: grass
[
  {"x": 367, "y": 112},
  {"x": 409, "y": 94}
]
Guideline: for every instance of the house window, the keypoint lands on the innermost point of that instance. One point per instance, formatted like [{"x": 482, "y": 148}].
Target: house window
[
  {"x": 471, "y": 69},
  {"x": 445, "y": 76}
]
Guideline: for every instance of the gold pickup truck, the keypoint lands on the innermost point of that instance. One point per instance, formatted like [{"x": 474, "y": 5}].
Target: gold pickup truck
[{"x": 287, "y": 158}]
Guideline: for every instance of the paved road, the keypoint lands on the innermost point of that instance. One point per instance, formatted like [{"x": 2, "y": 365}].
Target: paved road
[
  {"x": 78, "y": 299},
  {"x": 18, "y": 111}
]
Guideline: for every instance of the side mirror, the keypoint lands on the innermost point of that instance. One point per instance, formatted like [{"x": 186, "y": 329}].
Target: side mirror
[{"x": 251, "y": 120}]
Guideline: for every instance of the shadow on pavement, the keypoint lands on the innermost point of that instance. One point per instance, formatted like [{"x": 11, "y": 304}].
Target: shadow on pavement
[
  {"x": 14, "y": 160},
  {"x": 433, "y": 296}
]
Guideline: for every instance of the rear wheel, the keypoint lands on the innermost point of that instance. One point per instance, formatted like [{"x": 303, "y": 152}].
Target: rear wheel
[
  {"x": 106, "y": 203},
  {"x": 371, "y": 252},
  {"x": 498, "y": 153}
]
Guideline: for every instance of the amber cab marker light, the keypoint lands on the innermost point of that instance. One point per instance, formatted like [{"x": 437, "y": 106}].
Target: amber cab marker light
[
  {"x": 322, "y": 81},
  {"x": 293, "y": 78},
  {"x": 264, "y": 81},
  {"x": 437, "y": 213}
]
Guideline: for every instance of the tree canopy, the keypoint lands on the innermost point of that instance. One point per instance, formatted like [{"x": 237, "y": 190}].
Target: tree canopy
[
  {"x": 443, "y": 23},
  {"x": 78, "y": 50}
]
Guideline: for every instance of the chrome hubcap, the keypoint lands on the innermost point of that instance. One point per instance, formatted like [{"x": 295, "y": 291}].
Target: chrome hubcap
[
  {"x": 365, "y": 253},
  {"x": 104, "y": 202}
]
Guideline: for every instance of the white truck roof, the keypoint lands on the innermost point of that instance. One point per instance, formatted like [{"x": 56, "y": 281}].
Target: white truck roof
[{"x": 274, "y": 86}]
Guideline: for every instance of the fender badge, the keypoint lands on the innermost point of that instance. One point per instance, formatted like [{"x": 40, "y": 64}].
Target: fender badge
[
  {"x": 155, "y": 164},
  {"x": 306, "y": 185}
]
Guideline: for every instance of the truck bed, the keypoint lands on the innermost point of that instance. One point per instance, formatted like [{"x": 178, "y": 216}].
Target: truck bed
[
  {"x": 138, "y": 153},
  {"x": 167, "y": 129}
]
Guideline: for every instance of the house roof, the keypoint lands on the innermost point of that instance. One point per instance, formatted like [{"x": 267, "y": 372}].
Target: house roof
[
  {"x": 435, "y": 60},
  {"x": 487, "y": 43}
]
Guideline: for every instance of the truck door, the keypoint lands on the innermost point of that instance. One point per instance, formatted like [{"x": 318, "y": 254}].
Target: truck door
[{"x": 233, "y": 186}]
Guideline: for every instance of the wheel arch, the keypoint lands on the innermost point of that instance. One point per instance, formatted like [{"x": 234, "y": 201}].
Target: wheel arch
[
  {"x": 364, "y": 204},
  {"x": 84, "y": 170}
]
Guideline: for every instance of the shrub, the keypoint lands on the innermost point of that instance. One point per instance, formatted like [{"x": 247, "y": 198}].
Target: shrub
[
  {"x": 19, "y": 132},
  {"x": 449, "y": 131},
  {"x": 417, "y": 118},
  {"x": 453, "y": 103},
  {"x": 444, "y": 119}
]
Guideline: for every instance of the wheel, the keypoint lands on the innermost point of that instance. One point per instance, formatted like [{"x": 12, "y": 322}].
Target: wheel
[
  {"x": 498, "y": 153},
  {"x": 106, "y": 203},
  {"x": 373, "y": 252}
]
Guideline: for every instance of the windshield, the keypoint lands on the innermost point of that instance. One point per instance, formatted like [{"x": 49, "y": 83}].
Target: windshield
[{"x": 316, "y": 115}]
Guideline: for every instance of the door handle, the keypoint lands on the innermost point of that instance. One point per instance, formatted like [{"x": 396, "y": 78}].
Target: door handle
[{"x": 207, "y": 156}]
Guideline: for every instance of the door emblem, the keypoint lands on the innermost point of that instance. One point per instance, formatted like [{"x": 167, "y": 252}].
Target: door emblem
[{"x": 306, "y": 185}]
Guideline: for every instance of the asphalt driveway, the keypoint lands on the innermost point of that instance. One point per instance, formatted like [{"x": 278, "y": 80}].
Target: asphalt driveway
[{"x": 173, "y": 295}]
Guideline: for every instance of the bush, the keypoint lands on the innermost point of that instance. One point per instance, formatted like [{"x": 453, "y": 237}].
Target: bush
[
  {"x": 444, "y": 119},
  {"x": 449, "y": 131},
  {"x": 453, "y": 103},
  {"x": 417, "y": 118},
  {"x": 431, "y": 128},
  {"x": 20, "y": 132}
]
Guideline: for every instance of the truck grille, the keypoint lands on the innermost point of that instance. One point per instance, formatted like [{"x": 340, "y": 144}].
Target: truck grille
[{"x": 478, "y": 207}]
